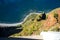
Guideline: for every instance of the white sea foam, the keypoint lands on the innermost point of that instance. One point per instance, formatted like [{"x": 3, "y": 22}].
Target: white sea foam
[{"x": 15, "y": 24}]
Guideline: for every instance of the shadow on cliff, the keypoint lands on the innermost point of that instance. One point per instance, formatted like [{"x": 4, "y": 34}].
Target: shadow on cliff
[{"x": 7, "y": 31}]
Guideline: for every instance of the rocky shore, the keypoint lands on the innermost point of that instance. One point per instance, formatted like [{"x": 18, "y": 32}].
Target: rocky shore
[{"x": 34, "y": 24}]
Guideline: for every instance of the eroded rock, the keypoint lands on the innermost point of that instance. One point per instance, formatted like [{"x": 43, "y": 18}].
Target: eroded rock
[{"x": 50, "y": 21}]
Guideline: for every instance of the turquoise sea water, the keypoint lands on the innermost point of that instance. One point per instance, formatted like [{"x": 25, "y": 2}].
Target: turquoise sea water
[{"x": 13, "y": 11}]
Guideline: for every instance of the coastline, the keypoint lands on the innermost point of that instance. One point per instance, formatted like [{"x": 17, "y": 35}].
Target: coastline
[{"x": 15, "y": 24}]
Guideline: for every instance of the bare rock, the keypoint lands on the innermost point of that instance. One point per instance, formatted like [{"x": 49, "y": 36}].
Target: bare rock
[{"x": 50, "y": 21}]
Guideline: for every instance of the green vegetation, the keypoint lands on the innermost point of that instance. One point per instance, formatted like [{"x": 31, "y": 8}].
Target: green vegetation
[
  {"x": 34, "y": 24},
  {"x": 31, "y": 26},
  {"x": 56, "y": 15}
]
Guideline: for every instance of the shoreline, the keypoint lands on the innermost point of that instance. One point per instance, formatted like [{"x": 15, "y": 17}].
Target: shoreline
[{"x": 15, "y": 24}]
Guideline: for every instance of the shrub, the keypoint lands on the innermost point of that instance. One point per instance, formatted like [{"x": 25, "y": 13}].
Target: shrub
[{"x": 56, "y": 15}]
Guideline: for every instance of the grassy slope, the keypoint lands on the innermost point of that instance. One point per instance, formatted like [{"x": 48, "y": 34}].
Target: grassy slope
[{"x": 33, "y": 27}]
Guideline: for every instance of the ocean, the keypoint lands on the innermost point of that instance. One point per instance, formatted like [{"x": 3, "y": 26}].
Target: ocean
[{"x": 14, "y": 11}]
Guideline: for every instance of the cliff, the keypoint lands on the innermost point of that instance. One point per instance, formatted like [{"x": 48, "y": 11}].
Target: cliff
[{"x": 35, "y": 23}]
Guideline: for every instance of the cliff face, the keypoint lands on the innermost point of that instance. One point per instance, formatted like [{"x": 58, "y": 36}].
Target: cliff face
[
  {"x": 52, "y": 19},
  {"x": 36, "y": 23}
]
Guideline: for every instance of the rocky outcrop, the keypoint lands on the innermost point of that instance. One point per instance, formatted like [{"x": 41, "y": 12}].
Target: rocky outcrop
[
  {"x": 43, "y": 22},
  {"x": 52, "y": 18},
  {"x": 50, "y": 21}
]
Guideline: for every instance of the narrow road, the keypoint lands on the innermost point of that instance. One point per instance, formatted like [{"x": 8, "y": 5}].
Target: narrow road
[{"x": 18, "y": 39}]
